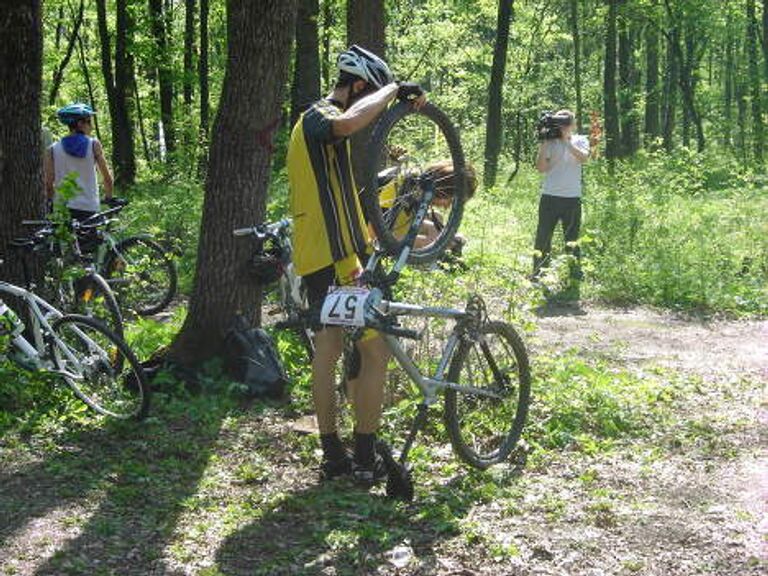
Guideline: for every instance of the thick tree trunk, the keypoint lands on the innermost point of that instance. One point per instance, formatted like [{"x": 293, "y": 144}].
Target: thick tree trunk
[
  {"x": 670, "y": 96},
  {"x": 202, "y": 73},
  {"x": 189, "y": 52},
  {"x": 21, "y": 181},
  {"x": 754, "y": 83},
  {"x": 365, "y": 27},
  {"x": 652, "y": 130},
  {"x": 164, "y": 71},
  {"x": 306, "y": 68},
  {"x": 576, "y": 33},
  {"x": 611, "y": 107},
  {"x": 123, "y": 159},
  {"x": 259, "y": 40},
  {"x": 628, "y": 82},
  {"x": 493, "y": 125}
]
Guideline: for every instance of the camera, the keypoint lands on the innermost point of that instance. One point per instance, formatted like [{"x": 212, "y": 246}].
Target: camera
[{"x": 550, "y": 125}]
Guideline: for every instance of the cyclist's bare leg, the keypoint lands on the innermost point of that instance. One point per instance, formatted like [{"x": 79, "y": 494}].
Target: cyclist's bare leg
[
  {"x": 328, "y": 347},
  {"x": 368, "y": 387}
]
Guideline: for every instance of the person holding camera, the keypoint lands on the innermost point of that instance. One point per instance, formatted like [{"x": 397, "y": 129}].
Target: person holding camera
[{"x": 560, "y": 157}]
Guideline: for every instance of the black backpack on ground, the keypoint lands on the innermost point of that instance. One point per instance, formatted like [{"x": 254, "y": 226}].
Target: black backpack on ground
[{"x": 251, "y": 358}]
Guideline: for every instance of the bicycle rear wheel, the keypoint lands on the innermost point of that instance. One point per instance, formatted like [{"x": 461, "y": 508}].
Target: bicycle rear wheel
[
  {"x": 406, "y": 145},
  {"x": 99, "y": 367},
  {"x": 142, "y": 274},
  {"x": 485, "y": 429}
]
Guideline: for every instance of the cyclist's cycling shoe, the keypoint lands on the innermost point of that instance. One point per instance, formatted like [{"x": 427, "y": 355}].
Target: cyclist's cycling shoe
[
  {"x": 371, "y": 474},
  {"x": 330, "y": 469}
]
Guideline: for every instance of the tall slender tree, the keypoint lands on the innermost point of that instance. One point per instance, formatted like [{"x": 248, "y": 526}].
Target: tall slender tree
[
  {"x": 493, "y": 125},
  {"x": 670, "y": 95},
  {"x": 754, "y": 83},
  {"x": 164, "y": 71},
  {"x": 652, "y": 127},
  {"x": 259, "y": 40},
  {"x": 189, "y": 52},
  {"x": 202, "y": 74},
  {"x": 306, "y": 69},
  {"x": 610, "y": 103},
  {"x": 576, "y": 34},
  {"x": 628, "y": 88},
  {"x": 21, "y": 181}
]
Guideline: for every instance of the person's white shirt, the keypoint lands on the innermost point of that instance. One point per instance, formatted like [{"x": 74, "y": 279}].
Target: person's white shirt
[{"x": 563, "y": 178}]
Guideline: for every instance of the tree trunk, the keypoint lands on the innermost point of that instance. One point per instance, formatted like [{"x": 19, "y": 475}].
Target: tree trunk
[
  {"x": 754, "y": 82},
  {"x": 576, "y": 33},
  {"x": 123, "y": 96},
  {"x": 670, "y": 97},
  {"x": 88, "y": 82},
  {"x": 365, "y": 27},
  {"x": 189, "y": 52},
  {"x": 628, "y": 83},
  {"x": 21, "y": 181},
  {"x": 202, "y": 73},
  {"x": 652, "y": 130},
  {"x": 259, "y": 41},
  {"x": 123, "y": 159},
  {"x": 611, "y": 112},
  {"x": 164, "y": 71},
  {"x": 306, "y": 69},
  {"x": 329, "y": 21},
  {"x": 765, "y": 39},
  {"x": 728, "y": 84},
  {"x": 493, "y": 126}
]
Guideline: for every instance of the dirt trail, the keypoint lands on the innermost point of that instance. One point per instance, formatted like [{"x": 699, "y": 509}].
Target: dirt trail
[{"x": 710, "y": 348}]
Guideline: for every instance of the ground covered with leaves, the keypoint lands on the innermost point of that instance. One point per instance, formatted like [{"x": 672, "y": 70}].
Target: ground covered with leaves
[{"x": 646, "y": 454}]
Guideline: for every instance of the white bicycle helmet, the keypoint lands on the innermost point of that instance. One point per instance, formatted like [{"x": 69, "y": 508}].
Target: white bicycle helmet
[{"x": 365, "y": 65}]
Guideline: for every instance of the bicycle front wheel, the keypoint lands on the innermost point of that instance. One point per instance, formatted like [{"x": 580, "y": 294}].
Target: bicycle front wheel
[
  {"x": 100, "y": 367},
  {"x": 407, "y": 145},
  {"x": 142, "y": 274},
  {"x": 484, "y": 429}
]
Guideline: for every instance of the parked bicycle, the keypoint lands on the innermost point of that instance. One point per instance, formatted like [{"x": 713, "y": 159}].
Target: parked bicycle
[{"x": 95, "y": 363}]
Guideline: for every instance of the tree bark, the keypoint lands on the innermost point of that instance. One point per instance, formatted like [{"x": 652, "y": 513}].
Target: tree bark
[
  {"x": 628, "y": 82},
  {"x": 259, "y": 40},
  {"x": 164, "y": 72},
  {"x": 765, "y": 40},
  {"x": 365, "y": 27},
  {"x": 306, "y": 68},
  {"x": 754, "y": 83},
  {"x": 189, "y": 52},
  {"x": 670, "y": 96},
  {"x": 88, "y": 82},
  {"x": 651, "y": 128},
  {"x": 576, "y": 33},
  {"x": 21, "y": 180},
  {"x": 493, "y": 125},
  {"x": 611, "y": 111},
  {"x": 123, "y": 156},
  {"x": 202, "y": 73}
]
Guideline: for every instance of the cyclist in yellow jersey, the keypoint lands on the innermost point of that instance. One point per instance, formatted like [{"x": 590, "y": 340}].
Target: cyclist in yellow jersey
[{"x": 330, "y": 238}]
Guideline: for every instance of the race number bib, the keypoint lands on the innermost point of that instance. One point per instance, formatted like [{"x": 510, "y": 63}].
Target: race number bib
[{"x": 344, "y": 306}]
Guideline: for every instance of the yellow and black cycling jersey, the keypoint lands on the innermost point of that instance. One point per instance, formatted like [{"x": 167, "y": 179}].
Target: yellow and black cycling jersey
[{"x": 328, "y": 222}]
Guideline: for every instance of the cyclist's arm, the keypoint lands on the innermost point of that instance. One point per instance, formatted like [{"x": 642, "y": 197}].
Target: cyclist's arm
[
  {"x": 543, "y": 158},
  {"x": 48, "y": 173},
  {"x": 101, "y": 162},
  {"x": 364, "y": 111}
]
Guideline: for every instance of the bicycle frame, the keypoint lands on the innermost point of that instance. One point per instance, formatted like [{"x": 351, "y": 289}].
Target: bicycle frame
[{"x": 42, "y": 332}]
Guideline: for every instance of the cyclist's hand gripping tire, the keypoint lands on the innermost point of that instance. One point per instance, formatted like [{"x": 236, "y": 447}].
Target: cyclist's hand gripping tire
[
  {"x": 382, "y": 219},
  {"x": 142, "y": 275},
  {"x": 87, "y": 350},
  {"x": 484, "y": 430}
]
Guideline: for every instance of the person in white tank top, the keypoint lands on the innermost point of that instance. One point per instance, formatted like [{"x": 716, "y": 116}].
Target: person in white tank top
[{"x": 79, "y": 153}]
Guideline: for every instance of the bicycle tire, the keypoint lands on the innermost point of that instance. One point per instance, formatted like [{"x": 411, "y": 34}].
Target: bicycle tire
[
  {"x": 381, "y": 220},
  {"x": 127, "y": 381},
  {"x": 493, "y": 424},
  {"x": 90, "y": 289},
  {"x": 154, "y": 302}
]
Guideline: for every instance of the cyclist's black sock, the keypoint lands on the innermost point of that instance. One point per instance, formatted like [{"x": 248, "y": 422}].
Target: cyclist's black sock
[
  {"x": 364, "y": 449},
  {"x": 332, "y": 448}
]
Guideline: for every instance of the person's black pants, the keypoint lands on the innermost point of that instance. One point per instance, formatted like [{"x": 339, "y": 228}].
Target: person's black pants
[{"x": 552, "y": 210}]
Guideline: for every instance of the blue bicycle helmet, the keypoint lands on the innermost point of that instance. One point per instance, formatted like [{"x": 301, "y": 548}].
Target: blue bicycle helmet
[{"x": 71, "y": 113}]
